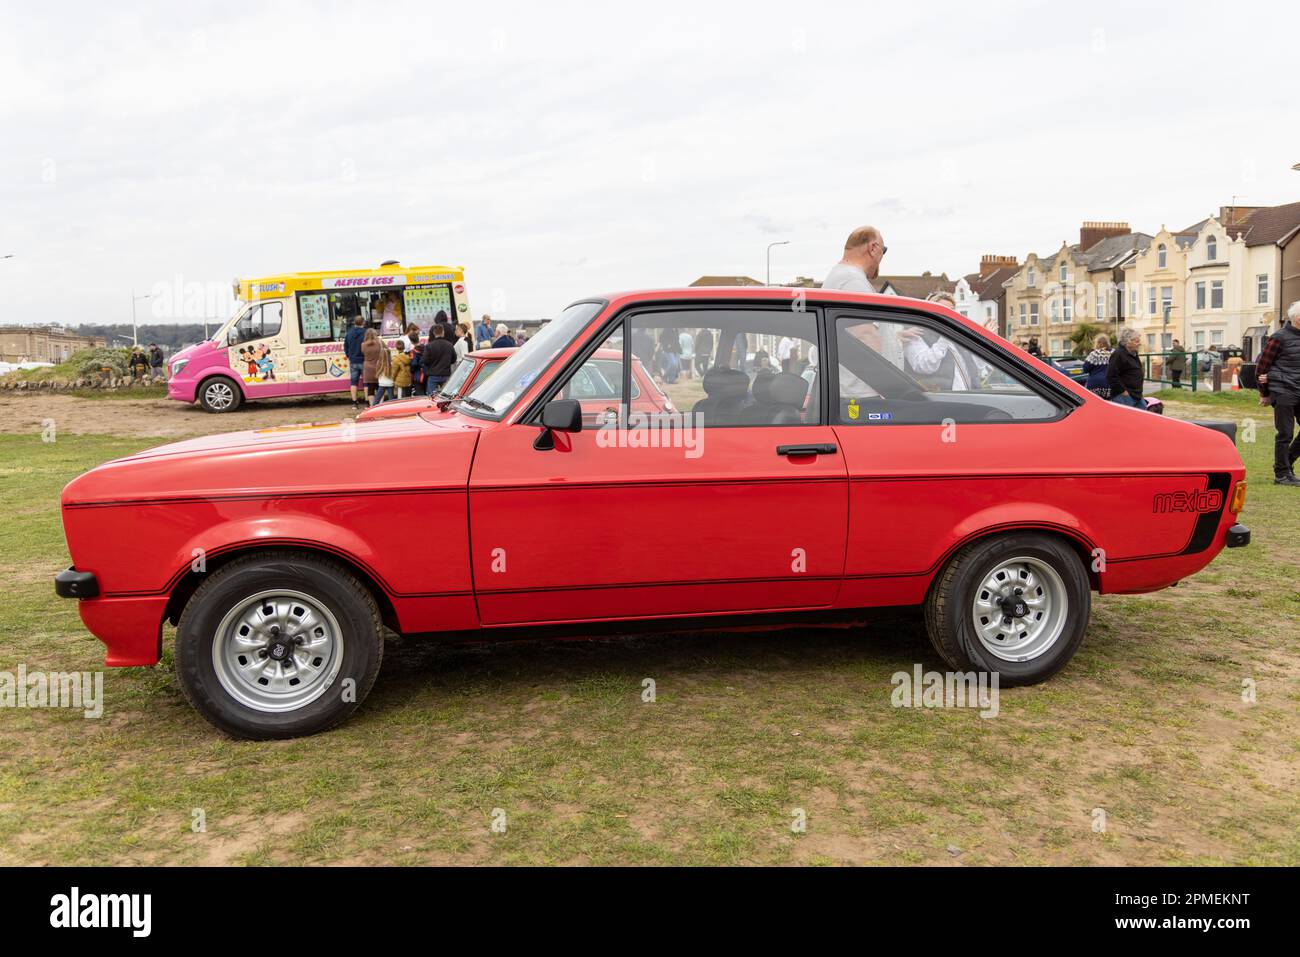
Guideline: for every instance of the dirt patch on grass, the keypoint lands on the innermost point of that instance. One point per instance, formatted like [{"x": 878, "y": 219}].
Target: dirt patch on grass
[{"x": 70, "y": 414}]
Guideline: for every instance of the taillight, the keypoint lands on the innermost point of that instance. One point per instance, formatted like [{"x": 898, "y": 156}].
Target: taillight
[{"x": 1238, "y": 498}]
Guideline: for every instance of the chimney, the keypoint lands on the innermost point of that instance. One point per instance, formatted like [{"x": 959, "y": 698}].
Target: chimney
[
  {"x": 1235, "y": 215},
  {"x": 990, "y": 264},
  {"x": 1090, "y": 234}
]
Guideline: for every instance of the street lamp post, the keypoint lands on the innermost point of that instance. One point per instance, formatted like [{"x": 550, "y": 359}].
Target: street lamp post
[
  {"x": 135, "y": 333},
  {"x": 783, "y": 242}
]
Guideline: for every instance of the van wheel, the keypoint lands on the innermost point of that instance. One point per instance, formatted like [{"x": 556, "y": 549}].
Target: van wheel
[
  {"x": 278, "y": 645},
  {"x": 219, "y": 394},
  {"x": 1017, "y": 605}
]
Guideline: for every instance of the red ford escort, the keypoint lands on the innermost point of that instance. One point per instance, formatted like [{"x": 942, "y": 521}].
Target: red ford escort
[{"x": 823, "y": 456}]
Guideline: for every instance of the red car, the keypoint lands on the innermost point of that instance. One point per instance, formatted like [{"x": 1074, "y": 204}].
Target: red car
[
  {"x": 834, "y": 454},
  {"x": 478, "y": 366}
]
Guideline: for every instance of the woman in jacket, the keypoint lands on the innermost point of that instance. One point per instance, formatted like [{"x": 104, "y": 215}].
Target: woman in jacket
[
  {"x": 1095, "y": 366},
  {"x": 375, "y": 363}
]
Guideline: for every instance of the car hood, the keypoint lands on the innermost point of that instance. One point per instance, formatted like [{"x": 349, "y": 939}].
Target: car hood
[
  {"x": 398, "y": 408},
  {"x": 189, "y": 352},
  {"x": 327, "y": 458}
]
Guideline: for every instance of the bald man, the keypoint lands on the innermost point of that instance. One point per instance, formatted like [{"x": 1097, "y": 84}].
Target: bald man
[
  {"x": 860, "y": 265},
  {"x": 855, "y": 271}
]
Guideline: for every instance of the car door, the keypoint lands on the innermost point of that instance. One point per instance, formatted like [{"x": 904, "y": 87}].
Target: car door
[
  {"x": 662, "y": 514},
  {"x": 258, "y": 351}
]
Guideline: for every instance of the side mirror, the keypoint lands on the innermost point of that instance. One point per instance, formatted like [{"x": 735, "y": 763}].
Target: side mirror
[{"x": 558, "y": 415}]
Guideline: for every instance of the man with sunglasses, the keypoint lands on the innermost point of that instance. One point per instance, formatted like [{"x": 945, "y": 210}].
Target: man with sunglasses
[{"x": 859, "y": 266}]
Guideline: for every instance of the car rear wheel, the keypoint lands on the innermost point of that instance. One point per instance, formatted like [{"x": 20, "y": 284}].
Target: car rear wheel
[
  {"x": 220, "y": 394},
  {"x": 1017, "y": 605},
  {"x": 278, "y": 645}
]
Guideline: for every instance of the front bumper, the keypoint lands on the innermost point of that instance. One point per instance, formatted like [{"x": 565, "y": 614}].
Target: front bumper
[
  {"x": 1238, "y": 536},
  {"x": 71, "y": 583}
]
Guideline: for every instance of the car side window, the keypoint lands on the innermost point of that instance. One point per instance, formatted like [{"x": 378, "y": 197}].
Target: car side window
[
  {"x": 259, "y": 322},
  {"x": 895, "y": 372},
  {"x": 731, "y": 367}
]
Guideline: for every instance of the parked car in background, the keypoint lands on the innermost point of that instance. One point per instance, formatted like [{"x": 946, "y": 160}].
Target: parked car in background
[
  {"x": 594, "y": 391},
  {"x": 997, "y": 497}
]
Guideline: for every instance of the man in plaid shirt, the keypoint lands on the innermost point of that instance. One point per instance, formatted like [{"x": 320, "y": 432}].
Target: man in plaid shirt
[{"x": 1278, "y": 371}]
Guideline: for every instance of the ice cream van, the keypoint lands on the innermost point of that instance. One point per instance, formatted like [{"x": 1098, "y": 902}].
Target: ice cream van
[{"x": 286, "y": 336}]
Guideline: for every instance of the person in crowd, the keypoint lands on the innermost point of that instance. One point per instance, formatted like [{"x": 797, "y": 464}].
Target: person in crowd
[
  {"x": 390, "y": 315},
  {"x": 521, "y": 338},
  {"x": 462, "y": 340},
  {"x": 1124, "y": 372},
  {"x": 157, "y": 365},
  {"x": 413, "y": 350},
  {"x": 441, "y": 318},
  {"x": 439, "y": 357},
  {"x": 1177, "y": 363},
  {"x": 703, "y": 350},
  {"x": 686, "y": 347},
  {"x": 857, "y": 269},
  {"x": 352, "y": 351},
  {"x": 1033, "y": 348},
  {"x": 139, "y": 363},
  {"x": 374, "y": 363},
  {"x": 401, "y": 360},
  {"x": 503, "y": 340},
  {"x": 668, "y": 357},
  {"x": 1278, "y": 371},
  {"x": 787, "y": 353},
  {"x": 1096, "y": 365},
  {"x": 483, "y": 332}
]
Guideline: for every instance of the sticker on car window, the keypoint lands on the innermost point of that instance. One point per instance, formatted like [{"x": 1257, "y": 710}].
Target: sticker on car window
[{"x": 853, "y": 409}]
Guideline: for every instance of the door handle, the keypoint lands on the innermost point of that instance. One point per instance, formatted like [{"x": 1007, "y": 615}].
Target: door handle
[{"x": 826, "y": 449}]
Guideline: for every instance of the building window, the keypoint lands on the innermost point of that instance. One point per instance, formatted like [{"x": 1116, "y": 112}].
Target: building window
[
  {"x": 1200, "y": 339},
  {"x": 1216, "y": 294},
  {"x": 1261, "y": 288},
  {"x": 1216, "y": 337},
  {"x": 988, "y": 312},
  {"x": 1166, "y": 299},
  {"x": 1162, "y": 256},
  {"x": 1023, "y": 320},
  {"x": 1101, "y": 304},
  {"x": 1151, "y": 342},
  {"x": 1151, "y": 301},
  {"x": 1200, "y": 295},
  {"x": 1133, "y": 301},
  {"x": 1067, "y": 308},
  {"x": 1030, "y": 279},
  {"x": 1056, "y": 309},
  {"x": 1211, "y": 249},
  {"x": 1065, "y": 274},
  {"x": 1033, "y": 313}
]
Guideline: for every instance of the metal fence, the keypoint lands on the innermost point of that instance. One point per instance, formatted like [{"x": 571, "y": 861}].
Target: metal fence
[{"x": 1198, "y": 374}]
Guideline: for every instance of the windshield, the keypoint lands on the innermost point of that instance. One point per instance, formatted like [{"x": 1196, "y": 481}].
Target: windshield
[
  {"x": 494, "y": 396},
  {"x": 458, "y": 377}
]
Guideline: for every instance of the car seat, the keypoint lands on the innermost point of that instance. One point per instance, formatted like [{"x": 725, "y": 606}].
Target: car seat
[{"x": 725, "y": 392}]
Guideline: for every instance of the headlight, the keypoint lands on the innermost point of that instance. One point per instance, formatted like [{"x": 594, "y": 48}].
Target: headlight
[{"x": 178, "y": 365}]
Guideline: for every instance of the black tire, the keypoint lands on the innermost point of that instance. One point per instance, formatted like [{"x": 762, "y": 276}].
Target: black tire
[
  {"x": 950, "y": 603},
  {"x": 323, "y": 581},
  {"x": 219, "y": 394}
]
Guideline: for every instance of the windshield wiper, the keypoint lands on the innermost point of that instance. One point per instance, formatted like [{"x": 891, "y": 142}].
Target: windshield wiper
[{"x": 474, "y": 403}]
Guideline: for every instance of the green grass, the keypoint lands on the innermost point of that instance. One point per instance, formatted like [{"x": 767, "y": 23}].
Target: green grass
[{"x": 1147, "y": 724}]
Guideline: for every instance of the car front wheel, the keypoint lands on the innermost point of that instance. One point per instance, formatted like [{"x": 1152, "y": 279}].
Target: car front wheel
[
  {"x": 1017, "y": 605},
  {"x": 219, "y": 394},
  {"x": 278, "y": 645}
]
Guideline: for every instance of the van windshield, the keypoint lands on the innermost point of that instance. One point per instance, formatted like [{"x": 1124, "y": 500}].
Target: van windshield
[{"x": 493, "y": 397}]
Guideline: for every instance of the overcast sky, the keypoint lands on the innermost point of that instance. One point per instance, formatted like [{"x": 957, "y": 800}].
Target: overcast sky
[{"x": 558, "y": 151}]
